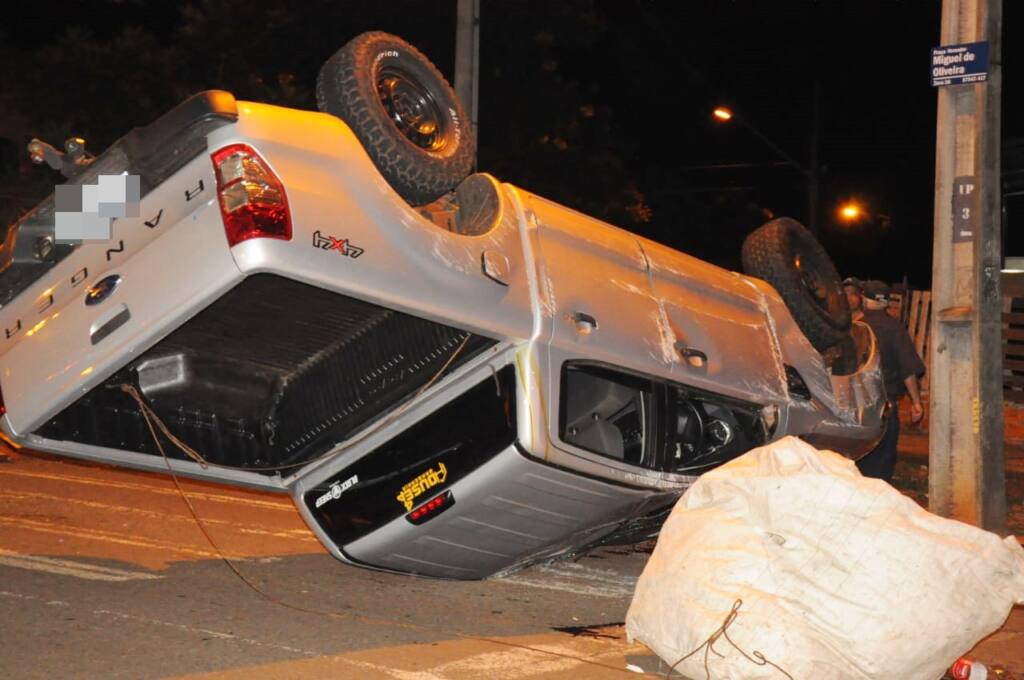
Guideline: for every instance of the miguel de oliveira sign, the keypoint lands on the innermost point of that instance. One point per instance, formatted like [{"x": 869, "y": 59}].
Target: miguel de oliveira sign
[{"x": 960, "y": 64}]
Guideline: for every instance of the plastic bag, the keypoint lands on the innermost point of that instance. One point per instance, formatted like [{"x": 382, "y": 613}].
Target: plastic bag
[{"x": 816, "y": 572}]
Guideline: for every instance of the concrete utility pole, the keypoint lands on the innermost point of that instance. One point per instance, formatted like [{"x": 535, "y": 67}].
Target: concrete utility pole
[
  {"x": 467, "y": 57},
  {"x": 966, "y": 471}
]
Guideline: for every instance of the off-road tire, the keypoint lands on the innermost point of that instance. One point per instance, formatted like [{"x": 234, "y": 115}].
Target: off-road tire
[
  {"x": 353, "y": 85},
  {"x": 786, "y": 255}
]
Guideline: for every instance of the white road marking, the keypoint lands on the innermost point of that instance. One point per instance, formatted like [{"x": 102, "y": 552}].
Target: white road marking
[
  {"x": 293, "y": 534},
  {"x": 508, "y": 663},
  {"x": 514, "y": 663},
  {"x": 16, "y": 596},
  {"x": 568, "y": 587},
  {"x": 86, "y": 533},
  {"x": 151, "y": 489},
  {"x": 577, "y": 579},
  {"x": 205, "y": 632},
  {"x": 89, "y": 572}
]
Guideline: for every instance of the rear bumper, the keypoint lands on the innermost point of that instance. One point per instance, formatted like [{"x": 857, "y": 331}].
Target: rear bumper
[{"x": 508, "y": 513}]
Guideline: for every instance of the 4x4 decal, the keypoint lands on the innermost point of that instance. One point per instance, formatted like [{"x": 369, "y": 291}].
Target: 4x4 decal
[{"x": 342, "y": 245}]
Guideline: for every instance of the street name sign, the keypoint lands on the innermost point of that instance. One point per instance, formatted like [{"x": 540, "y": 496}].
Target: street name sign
[{"x": 959, "y": 64}]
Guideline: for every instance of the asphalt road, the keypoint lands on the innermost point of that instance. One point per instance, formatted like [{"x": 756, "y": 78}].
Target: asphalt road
[{"x": 105, "y": 574}]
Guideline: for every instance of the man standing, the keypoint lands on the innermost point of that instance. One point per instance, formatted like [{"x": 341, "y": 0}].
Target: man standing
[
  {"x": 851, "y": 287},
  {"x": 901, "y": 368}
]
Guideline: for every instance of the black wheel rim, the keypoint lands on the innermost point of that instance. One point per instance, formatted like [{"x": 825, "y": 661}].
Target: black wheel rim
[{"x": 411, "y": 108}]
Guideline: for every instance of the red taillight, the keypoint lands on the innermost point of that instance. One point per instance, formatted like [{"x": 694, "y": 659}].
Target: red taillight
[
  {"x": 252, "y": 198},
  {"x": 3, "y": 406},
  {"x": 432, "y": 508}
]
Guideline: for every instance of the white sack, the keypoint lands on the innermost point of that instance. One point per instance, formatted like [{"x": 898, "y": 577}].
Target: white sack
[{"x": 841, "y": 576}]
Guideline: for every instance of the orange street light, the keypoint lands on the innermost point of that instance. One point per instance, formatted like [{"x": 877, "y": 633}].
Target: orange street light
[
  {"x": 723, "y": 114},
  {"x": 851, "y": 212}
]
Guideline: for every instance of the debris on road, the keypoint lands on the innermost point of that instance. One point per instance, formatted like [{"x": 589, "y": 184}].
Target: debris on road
[{"x": 786, "y": 562}]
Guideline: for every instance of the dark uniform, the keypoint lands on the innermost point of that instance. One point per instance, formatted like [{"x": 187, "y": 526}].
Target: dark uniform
[{"x": 899, "y": 362}]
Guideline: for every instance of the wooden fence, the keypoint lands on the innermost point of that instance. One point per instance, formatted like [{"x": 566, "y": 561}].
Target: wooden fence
[
  {"x": 916, "y": 312},
  {"x": 1013, "y": 350}
]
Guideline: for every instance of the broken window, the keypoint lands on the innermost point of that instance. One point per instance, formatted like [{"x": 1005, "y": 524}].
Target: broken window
[
  {"x": 608, "y": 412},
  {"x": 652, "y": 423}
]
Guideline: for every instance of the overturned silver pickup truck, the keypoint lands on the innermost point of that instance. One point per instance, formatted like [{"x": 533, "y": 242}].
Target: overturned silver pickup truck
[{"x": 449, "y": 375}]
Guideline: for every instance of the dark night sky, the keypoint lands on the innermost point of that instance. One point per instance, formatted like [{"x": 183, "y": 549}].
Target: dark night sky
[{"x": 600, "y": 105}]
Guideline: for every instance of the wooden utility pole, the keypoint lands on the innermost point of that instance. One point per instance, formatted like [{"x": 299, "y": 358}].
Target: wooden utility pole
[
  {"x": 966, "y": 471},
  {"x": 467, "y": 57}
]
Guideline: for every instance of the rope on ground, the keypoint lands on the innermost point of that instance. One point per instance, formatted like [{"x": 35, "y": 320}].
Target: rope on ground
[
  {"x": 151, "y": 417},
  {"x": 340, "y": 614}
]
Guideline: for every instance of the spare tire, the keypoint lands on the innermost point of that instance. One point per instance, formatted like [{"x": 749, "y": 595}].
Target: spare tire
[
  {"x": 786, "y": 255},
  {"x": 403, "y": 111}
]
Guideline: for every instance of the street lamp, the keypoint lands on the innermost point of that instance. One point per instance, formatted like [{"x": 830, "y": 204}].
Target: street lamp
[
  {"x": 853, "y": 211},
  {"x": 724, "y": 114},
  {"x": 850, "y": 212}
]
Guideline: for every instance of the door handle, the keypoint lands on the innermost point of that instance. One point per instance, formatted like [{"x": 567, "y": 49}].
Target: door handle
[
  {"x": 108, "y": 323},
  {"x": 585, "y": 323},
  {"x": 692, "y": 355}
]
